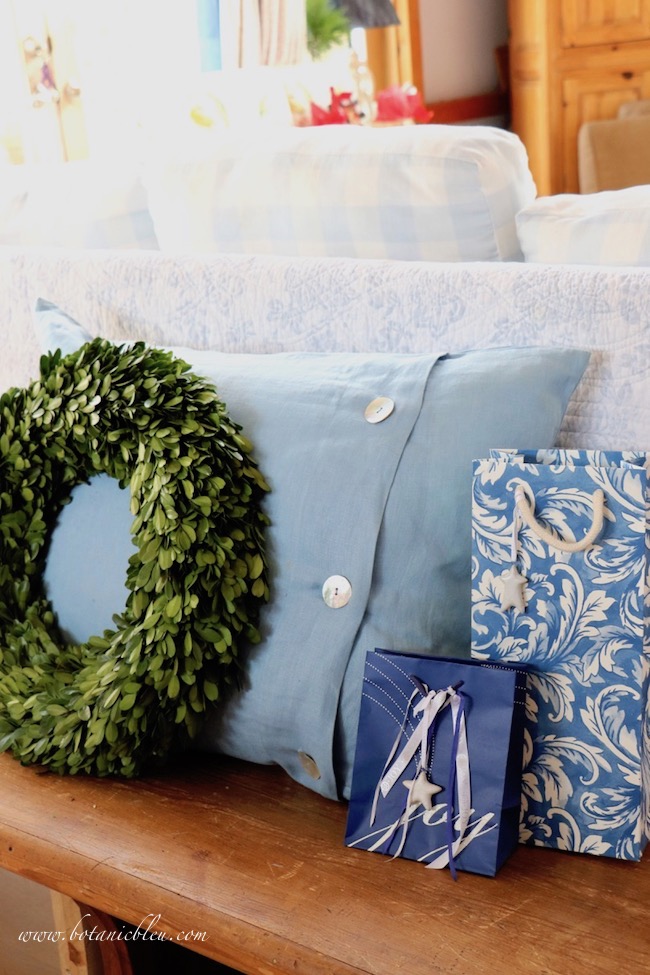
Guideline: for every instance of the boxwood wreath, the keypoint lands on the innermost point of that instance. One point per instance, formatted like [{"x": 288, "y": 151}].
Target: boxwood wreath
[{"x": 197, "y": 580}]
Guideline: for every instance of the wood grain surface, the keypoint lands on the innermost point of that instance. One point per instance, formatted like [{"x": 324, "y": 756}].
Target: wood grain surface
[{"x": 254, "y": 866}]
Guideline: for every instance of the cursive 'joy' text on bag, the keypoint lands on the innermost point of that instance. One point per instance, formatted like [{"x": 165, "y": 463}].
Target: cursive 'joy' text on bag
[{"x": 560, "y": 586}]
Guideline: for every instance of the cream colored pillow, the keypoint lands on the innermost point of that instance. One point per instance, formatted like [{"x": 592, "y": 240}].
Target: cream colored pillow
[
  {"x": 13, "y": 199},
  {"x": 611, "y": 227},
  {"x": 80, "y": 204},
  {"x": 416, "y": 193}
]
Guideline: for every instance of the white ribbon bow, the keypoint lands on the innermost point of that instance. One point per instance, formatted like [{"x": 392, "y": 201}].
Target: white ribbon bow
[{"x": 430, "y": 706}]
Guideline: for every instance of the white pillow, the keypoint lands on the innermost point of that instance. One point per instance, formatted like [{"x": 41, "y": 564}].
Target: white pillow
[
  {"x": 76, "y": 205},
  {"x": 423, "y": 192},
  {"x": 612, "y": 227},
  {"x": 13, "y": 198}
]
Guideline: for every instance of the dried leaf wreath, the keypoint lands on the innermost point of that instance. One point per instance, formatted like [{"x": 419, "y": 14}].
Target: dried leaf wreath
[{"x": 197, "y": 579}]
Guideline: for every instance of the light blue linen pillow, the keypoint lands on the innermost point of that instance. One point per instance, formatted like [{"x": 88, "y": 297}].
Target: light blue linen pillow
[{"x": 386, "y": 506}]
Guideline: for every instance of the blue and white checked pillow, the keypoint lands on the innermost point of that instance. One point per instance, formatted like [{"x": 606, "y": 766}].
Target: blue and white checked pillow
[
  {"x": 426, "y": 192},
  {"x": 79, "y": 204},
  {"x": 612, "y": 227}
]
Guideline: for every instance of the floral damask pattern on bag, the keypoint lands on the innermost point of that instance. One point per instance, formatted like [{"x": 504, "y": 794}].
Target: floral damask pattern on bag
[{"x": 583, "y": 636}]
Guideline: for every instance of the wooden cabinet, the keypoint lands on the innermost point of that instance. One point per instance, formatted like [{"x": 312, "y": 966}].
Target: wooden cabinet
[{"x": 572, "y": 61}]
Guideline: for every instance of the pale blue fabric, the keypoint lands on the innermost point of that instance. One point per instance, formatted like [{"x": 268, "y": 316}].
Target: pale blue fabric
[
  {"x": 58, "y": 329},
  {"x": 386, "y": 505},
  {"x": 88, "y": 587},
  {"x": 420, "y": 596}
]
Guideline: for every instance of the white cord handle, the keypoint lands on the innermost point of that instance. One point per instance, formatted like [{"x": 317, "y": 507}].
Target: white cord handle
[{"x": 527, "y": 512}]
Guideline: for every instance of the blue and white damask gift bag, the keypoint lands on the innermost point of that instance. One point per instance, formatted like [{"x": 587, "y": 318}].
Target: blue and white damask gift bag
[
  {"x": 437, "y": 769},
  {"x": 561, "y": 586}
]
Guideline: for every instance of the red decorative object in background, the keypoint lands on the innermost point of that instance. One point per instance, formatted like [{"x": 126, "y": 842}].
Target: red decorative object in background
[
  {"x": 394, "y": 105},
  {"x": 340, "y": 110},
  {"x": 399, "y": 103}
]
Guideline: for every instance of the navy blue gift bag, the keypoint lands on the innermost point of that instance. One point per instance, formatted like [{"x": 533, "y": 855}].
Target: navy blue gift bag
[{"x": 437, "y": 770}]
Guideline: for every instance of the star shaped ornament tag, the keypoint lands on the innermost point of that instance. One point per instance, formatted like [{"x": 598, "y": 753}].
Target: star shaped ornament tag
[
  {"x": 421, "y": 791},
  {"x": 514, "y": 583}
]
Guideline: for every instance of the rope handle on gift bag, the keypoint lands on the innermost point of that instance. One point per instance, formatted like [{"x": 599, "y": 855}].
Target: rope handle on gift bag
[{"x": 525, "y": 503}]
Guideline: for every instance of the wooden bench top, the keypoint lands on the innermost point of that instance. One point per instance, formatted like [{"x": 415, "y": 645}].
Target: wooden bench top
[{"x": 257, "y": 863}]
